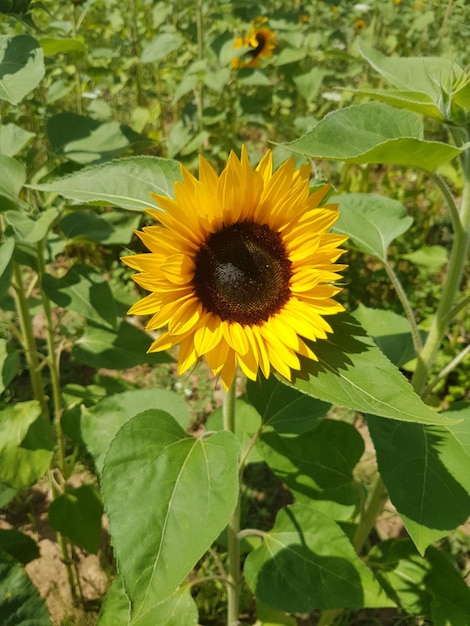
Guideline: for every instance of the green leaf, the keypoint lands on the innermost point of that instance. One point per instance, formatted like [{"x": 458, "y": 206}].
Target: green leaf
[
  {"x": 155, "y": 455},
  {"x": 21, "y": 67},
  {"x": 373, "y": 133},
  {"x": 110, "y": 227},
  {"x": 9, "y": 364},
  {"x": 425, "y": 470},
  {"x": 20, "y": 602},
  {"x": 59, "y": 45},
  {"x": 77, "y": 515},
  {"x": 432, "y": 257},
  {"x": 116, "y": 607},
  {"x": 85, "y": 140},
  {"x": 306, "y": 562},
  {"x": 25, "y": 445},
  {"x": 460, "y": 430},
  {"x": 352, "y": 372},
  {"x": 160, "y": 47},
  {"x": 178, "y": 610},
  {"x": 403, "y": 573},
  {"x": 126, "y": 183},
  {"x": 266, "y": 616},
  {"x": 19, "y": 546},
  {"x": 117, "y": 349},
  {"x": 450, "y": 594},
  {"x": 425, "y": 75},
  {"x": 84, "y": 291},
  {"x": 317, "y": 465},
  {"x": 413, "y": 101},
  {"x": 12, "y": 179},
  {"x": 390, "y": 331},
  {"x": 29, "y": 230},
  {"x": 371, "y": 221},
  {"x": 13, "y": 139},
  {"x": 247, "y": 424},
  {"x": 6, "y": 264},
  {"x": 283, "y": 408},
  {"x": 100, "y": 423}
]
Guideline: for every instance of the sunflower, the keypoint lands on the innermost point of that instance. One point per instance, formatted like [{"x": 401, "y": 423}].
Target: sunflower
[
  {"x": 262, "y": 42},
  {"x": 240, "y": 268},
  {"x": 359, "y": 26}
]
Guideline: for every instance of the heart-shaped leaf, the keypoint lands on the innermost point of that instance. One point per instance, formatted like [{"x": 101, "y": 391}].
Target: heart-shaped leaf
[
  {"x": 306, "y": 562},
  {"x": 168, "y": 496}
]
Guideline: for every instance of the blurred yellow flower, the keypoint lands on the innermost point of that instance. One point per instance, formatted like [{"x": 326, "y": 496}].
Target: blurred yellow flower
[
  {"x": 262, "y": 42},
  {"x": 359, "y": 26}
]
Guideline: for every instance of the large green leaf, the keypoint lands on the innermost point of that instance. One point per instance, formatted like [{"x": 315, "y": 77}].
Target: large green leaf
[
  {"x": 85, "y": 291},
  {"x": 21, "y": 67},
  {"x": 403, "y": 99},
  {"x": 306, "y": 562},
  {"x": 402, "y": 573},
  {"x": 425, "y": 470},
  {"x": 390, "y": 331},
  {"x": 20, "y": 602},
  {"x": 76, "y": 514},
  {"x": 352, "y": 372},
  {"x": 100, "y": 423},
  {"x": 178, "y": 610},
  {"x": 126, "y": 183},
  {"x": 425, "y": 75},
  {"x": 450, "y": 604},
  {"x": 371, "y": 221},
  {"x": 317, "y": 465},
  {"x": 12, "y": 179},
  {"x": 116, "y": 349},
  {"x": 85, "y": 140},
  {"x": 374, "y": 133},
  {"x": 110, "y": 227},
  {"x": 283, "y": 408},
  {"x": 25, "y": 445},
  {"x": 177, "y": 480},
  {"x": 429, "y": 586}
]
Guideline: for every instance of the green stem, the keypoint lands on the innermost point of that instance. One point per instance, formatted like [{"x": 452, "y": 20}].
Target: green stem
[
  {"x": 406, "y": 307},
  {"x": 457, "y": 262},
  {"x": 29, "y": 343},
  {"x": 53, "y": 365},
  {"x": 54, "y": 370},
  {"x": 449, "y": 200},
  {"x": 233, "y": 528}
]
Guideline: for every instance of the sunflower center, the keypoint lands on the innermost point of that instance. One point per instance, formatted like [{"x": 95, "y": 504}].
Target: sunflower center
[
  {"x": 260, "y": 43},
  {"x": 242, "y": 273}
]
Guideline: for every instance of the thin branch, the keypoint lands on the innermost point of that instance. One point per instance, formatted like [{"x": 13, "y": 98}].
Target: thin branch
[{"x": 446, "y": 370}]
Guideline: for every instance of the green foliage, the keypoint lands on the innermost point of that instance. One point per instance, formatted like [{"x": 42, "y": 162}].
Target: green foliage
[{"x": 97, "y": 114}]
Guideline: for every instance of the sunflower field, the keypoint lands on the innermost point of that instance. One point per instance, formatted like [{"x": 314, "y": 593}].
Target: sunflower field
[{"x": 234, "y": 313}]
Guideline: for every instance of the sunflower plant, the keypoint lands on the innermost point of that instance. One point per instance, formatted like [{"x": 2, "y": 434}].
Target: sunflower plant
[{"x": 241, "y": 274}]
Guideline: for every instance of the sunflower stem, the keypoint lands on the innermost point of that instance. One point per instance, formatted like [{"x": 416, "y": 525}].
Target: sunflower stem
[{"x": 233, "y": 528}]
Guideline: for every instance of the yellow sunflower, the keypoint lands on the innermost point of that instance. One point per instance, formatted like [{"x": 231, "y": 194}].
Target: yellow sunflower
[
  {"x": 359, "y": 26},
  {"x": 240, "y": 268},
  {"x": 262, "y": 42}
]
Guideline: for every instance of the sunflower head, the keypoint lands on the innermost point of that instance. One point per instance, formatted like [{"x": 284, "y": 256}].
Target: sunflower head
[
  {"x": 260, "y": 40},
  {"x": 359, "y": 26},
  {"x": 240, "y": 268}
]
